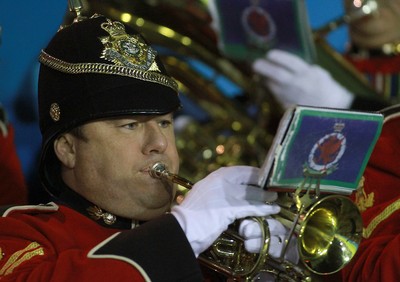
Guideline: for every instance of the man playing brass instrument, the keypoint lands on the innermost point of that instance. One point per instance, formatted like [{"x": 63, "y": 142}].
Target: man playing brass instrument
[
  {"x": 375, "y": 51},
  {"x": 106, "y": 109}
]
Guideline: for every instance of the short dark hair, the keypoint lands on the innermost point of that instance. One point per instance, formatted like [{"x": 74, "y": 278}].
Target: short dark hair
[{"x": 78, "y": 133}]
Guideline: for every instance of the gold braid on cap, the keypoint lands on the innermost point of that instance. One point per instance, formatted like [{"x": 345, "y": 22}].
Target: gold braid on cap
[
  {"x": 77, "y": 68},
  {"x": 131, "y": 56}
]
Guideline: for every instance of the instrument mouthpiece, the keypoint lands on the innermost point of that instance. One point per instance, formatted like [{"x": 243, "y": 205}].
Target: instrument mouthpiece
[{"x": 159, "y": 170}]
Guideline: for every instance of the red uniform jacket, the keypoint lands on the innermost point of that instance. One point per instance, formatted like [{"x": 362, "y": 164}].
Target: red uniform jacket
[
  {"x": 378, "y": 257},
  {"x": 57, "y": 243}
]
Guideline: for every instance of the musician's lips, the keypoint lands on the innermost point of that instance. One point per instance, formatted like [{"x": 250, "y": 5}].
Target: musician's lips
[{"x": 149, "y": 167}]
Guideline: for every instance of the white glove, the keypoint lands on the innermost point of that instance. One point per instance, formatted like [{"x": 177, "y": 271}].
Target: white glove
[
  {"x": 218, "y": 200},
  {"x": 293, "y": 81},
  {"x": 250, "y": 230}
]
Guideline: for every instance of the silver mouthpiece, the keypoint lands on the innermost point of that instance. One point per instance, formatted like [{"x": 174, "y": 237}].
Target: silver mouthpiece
[{"x": 159, "y": 170}]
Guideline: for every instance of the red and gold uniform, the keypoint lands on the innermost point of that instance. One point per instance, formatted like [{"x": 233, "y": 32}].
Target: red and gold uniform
[
  {"x": 378, "y": 256},
  {"x": 57, "y": 242}
]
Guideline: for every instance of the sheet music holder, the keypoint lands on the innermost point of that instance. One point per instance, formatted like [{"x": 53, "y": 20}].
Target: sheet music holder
[
  {"x": 333, "y": 143},
  {"x": 247, "y": 29}
]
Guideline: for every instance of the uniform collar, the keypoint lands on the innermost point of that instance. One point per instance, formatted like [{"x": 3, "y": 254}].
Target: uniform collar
[{"x": 75, "y": 201}]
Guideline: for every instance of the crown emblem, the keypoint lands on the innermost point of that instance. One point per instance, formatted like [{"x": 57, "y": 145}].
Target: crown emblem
[
  {"x": 115, "y": 29},
  {"x": 127, "y": 50},
  {"x": 338, "y": 126}
]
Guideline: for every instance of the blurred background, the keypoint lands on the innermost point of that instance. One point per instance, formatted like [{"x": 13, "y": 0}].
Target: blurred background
[{"x": 227, "y": 118}]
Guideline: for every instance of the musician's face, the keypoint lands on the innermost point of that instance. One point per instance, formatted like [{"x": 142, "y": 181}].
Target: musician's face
[
  {"x": 109, "y": 166},
  {"x": 374, "y": 30}
]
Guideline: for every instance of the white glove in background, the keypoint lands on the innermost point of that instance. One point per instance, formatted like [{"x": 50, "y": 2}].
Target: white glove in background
[
  {"x": 218, "y": 200},
  {"x": 250, "y": 230},
  {"x": 293, "y": 81}
]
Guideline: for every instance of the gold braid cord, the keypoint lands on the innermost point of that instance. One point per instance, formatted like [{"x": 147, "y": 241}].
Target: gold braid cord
[
  {"x": 388, "y": 211},
  {"x": 76, "y": 68},
  {"x": 17, "y": 258}
]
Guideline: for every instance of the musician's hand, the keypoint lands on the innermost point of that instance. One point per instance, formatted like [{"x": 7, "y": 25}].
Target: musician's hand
[
  {"x": 218, "y": 200},
  {"x": 250, "y": 230},
  {"x": 295, "y": 82}
]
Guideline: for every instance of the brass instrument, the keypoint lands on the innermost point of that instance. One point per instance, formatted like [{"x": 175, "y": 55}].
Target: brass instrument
[
  {"x": 328, "y": 232},
  {"x": 367, "y": 7}
]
